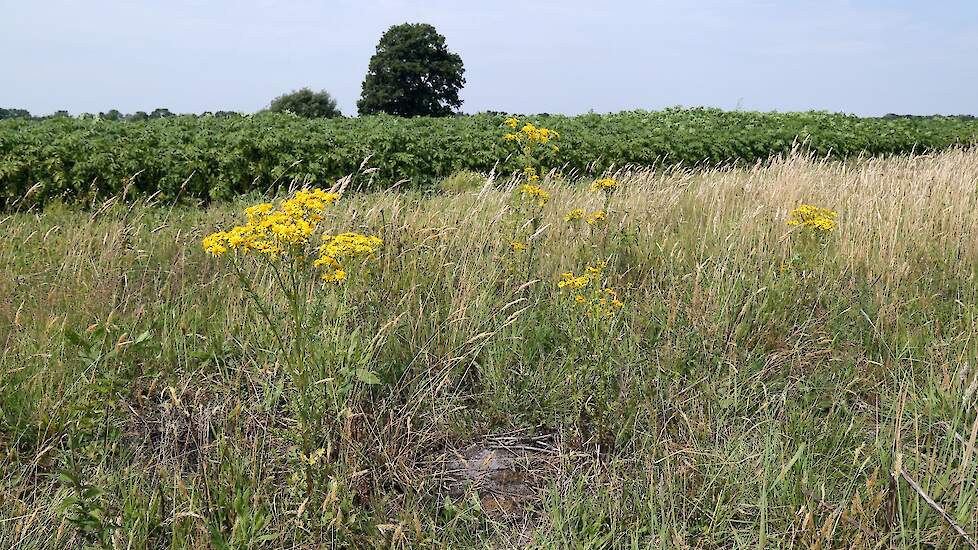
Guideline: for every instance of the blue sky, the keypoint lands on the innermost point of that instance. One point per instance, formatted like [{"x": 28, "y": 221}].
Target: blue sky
[{"x": 528, "y": 56}]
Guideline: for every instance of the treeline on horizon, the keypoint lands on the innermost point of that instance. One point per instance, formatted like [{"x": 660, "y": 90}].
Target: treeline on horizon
[
  {"x": 205, "y": 158},
  {"x": 162, "y": 112}
]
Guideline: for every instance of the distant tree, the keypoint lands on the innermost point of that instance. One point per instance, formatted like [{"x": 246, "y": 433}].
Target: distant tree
[
  {"x": 306, "y": 103},
  {"x": 61, "y": 114},
  {"x": 161, "y": 113},
  {"x": 113, "y": 114},
  {"x": 412, "y": 74},
  {"x": 138, "y": 115},
  {"x": 14, "y": 113}
]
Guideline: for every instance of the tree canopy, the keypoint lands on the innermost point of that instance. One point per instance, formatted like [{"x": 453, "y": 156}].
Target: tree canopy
[
  {"x": 14, "y": 113},
  {"x": 306, "y": 103},
  {"x": 412, "y": 73}
]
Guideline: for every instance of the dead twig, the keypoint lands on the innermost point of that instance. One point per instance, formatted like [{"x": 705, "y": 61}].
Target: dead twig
[{"x": 937, "y": 508}]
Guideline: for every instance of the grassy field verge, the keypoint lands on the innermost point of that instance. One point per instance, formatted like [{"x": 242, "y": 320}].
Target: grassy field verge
[{"x": 754, "y": 389}]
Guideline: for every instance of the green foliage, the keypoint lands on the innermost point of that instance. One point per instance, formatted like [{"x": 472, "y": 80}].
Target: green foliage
[
  {"x": 161, "y": 112},
  {"x": 113, "y": 114},
  {"x": 215, "y": 158},
  {"x": 412, "y": 74},
  {"x": 14, "y": 113},
  {"x": 306, "y": 103}
]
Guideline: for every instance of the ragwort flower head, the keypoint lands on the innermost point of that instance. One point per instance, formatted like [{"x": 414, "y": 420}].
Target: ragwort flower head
[
  {"x": 574, "y": 215},
  {"x": 820, "y": 220},
  {"x": 606, "y": 185},
  {"x": 573, "y": 282},
  {"x": 596, "y": 217},
  {"x": 345, "y": 246},
  {"x": 272, "y": 231},
  {"x": 535, "y": 193},
  {"x": 528, "y": 135},
  {"x": 216, "y": 244},
  {"x": 596, "y": 268},
  {"x": 595, "y": 299}
]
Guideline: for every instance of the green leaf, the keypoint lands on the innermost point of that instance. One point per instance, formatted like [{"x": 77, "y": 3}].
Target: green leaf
[
  {"x": 75, "y": 339},
  {"x": 367, "y": 377}
]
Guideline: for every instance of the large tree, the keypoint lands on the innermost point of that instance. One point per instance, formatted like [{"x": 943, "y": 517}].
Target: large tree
[
  {"x": 306, "y": 103},
  {"x": 412, "y": 74}
]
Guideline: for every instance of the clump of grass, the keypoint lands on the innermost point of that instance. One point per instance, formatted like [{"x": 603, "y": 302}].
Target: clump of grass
[
  {"x": 461, "y": 182},
  {"x": 730, "y": 402}
]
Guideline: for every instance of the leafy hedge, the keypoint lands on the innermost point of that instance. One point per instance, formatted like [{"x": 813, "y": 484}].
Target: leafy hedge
[{"x": 217, "y": 157}]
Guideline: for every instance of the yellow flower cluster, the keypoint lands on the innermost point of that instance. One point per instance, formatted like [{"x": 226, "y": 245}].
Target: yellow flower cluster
[
  {"x": 287, "y": 230},
  {"x": 517, "y": 246},
  {"x": 570, "y": 281},
  {"x": 535, "y": 193},
  {"x": 341, "y": 247},
  {"x": 596, "y": 217},
  {"x": 606, "y": 184},
  {"x": 574, "y": 215},
  {"x": 530, "y": 173},
  {"x": 588, "y": 290},
  {"x": 820, "y": 220},
  {"x": 272, "y": 231},
  {"x": 530, "y": 133}
]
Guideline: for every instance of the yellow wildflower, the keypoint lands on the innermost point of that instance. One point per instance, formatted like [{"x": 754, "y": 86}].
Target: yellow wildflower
[
  {"x": 335, "y": 276},
  {"x": 535, "y": 192},
  {"x": 272, "y": 231},
  {"x": 258, "y": 211},
  {"x": 347, "y": 245},
  {"x": 600, "y": 301},
  {"x": 341, "y": 247},
  {"x": 596, "y": 217},
  {"x": 597, "y": 268},
  {"x": 574, "y": 215},
  {"x": 216, "y": 243},
  {"x": 571, "y": 281},
  {"x": 512, "y": 122},
  {"x": 820, "y": 220},
  {"x": 605, "y": 184},
  {"x": 517, "y": 246}
]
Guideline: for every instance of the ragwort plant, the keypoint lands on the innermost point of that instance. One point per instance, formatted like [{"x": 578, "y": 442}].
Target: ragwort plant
[
  {"x": 533, "y": 146},
  {"x": 286, "y": 241},
  {"x": 812, "y": 226},
  {"x": 597, "y": 220},
  {"x": 592, "y": 312}
]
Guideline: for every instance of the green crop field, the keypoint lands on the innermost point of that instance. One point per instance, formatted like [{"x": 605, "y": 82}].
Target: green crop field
[
  {"x": 776, "y": 354},
  {"x": 207, "y": 158}
]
